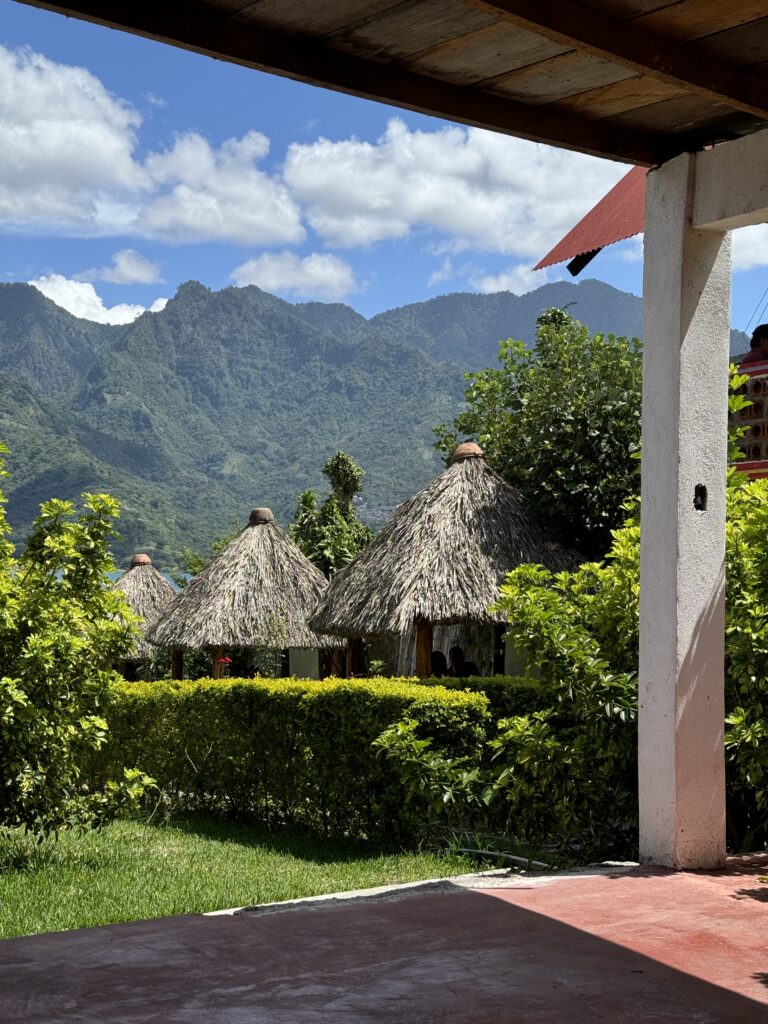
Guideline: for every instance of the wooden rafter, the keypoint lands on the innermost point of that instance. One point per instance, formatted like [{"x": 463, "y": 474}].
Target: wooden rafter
[
  {"x": 307, "y": 60},
  {"x": 633, "y": 47}
]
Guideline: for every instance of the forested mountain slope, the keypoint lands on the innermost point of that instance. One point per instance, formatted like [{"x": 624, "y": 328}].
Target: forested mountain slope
[
  {"x": 44, "y": 345},
  {"x": 222, "y": 401},
  {"x": 466, "y": 327},
  {"x": 226, "y": 400}
]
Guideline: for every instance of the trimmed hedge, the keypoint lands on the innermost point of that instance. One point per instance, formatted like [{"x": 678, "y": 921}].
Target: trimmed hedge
[
  {"x": 283, "y": 750},
  {"x": 507, "y": 695}
]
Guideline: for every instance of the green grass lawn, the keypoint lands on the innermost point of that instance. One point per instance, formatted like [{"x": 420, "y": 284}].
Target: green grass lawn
[{"x": 133, "y": 870}]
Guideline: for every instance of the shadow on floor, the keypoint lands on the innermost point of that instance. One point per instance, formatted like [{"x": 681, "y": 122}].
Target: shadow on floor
[{"x": 453, "y": 957}]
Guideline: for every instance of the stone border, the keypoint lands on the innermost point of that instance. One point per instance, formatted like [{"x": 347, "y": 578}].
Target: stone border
[{"x": 499, "y": 878}]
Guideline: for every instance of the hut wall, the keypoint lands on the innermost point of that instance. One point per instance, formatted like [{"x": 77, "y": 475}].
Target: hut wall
[
  {"x": 515, "y": 661},
  {"x": 304, "y": 663},
  {"x": 474, "y": 639},
  {"x": 386, "y": 649}
]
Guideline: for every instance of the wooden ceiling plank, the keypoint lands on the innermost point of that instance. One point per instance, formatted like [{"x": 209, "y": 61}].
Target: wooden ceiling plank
[
  {"x": 687, "y": 114},
  {"x": 620, "y": 97},
  {"x": 695, "y": 19},
  {"x": 563, "y": 60},
  {"x": 233, "y": 7},
  {"x": 395, "y": 9},
  {"x": 306, "y": 60},
  {"x": 635, "y": 48},
  {"x": 740, "y": 47},
  {"x": 501, "y": 53},
  {"x": 561, "y": 77},
  {"x": 625, "y": 10},
  {"x": 317, "y": 19},
  {"x": 459, "y": 44},
  {"x": 409, "y": 28}
]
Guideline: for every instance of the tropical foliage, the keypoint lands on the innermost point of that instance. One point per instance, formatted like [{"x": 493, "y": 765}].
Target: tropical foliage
[
  {"x": 568, "y": 773},
  {"x": 581, "y": 630},
  {"x": 61, "y": 628},
  {"x": 562, "y": 421},
  {"x": 563, "y": 770},
  {"x": 330, "y": 534}
]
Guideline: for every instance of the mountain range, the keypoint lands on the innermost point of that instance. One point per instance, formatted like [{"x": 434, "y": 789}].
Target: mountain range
[{"x": 225, "y": 400}]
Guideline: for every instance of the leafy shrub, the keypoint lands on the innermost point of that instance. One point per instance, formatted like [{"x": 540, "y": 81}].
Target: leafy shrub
[
  {"x": 507, "y": 695},
  {"x": 581, "y": 629},
  {"x": 568, "y": 774},
  {"x": 287, "y": 750},
  {"x": 746, "y": 662},
  {"x": 61, "y": 628},
  {"x": 434, "y": 788}
]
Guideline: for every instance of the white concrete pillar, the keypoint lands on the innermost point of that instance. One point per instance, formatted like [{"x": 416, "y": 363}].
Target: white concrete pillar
[{"x": 687, "y": 282}]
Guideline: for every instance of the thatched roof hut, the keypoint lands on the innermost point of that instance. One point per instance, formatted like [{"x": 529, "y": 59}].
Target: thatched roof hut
[
  {"x": 441, "y": 557},
  {"x": 256, "y": 592},
  {"x": 148, "y": 594}
]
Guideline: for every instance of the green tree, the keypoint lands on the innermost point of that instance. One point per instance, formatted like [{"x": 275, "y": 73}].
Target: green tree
[
  {"x": 562, "y": 422},
  {"x": 330, "y": 534},
  {"x": 61, "y": 628}
]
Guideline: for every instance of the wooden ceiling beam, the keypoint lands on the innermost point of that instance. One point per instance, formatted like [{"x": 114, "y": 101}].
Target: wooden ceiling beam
[
  {"x": 307, "y": 60},
  {"x": 631, "y": 46}
]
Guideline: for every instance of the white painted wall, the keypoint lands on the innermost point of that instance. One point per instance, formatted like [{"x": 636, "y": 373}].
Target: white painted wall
[{"x": 732, "y": 185}]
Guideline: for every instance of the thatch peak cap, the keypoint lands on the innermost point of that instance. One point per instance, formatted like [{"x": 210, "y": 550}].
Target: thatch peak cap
[
  {"x": 260, "y": 515},
  {"x": 141, "y": 560},
  {"x": 466, "y": 450}
]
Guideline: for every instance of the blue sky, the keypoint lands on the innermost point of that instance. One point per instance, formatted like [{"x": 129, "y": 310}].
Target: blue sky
[{"x": 128, "y": 167}]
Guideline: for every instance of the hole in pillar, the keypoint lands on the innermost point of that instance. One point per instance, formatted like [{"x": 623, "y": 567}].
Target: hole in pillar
[{"x": 700, "y": 498}]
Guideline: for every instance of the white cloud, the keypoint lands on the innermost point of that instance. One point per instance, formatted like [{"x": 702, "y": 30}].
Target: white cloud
[
  {"x": 443, "y": 273},
  {"x": 218, "y": 194},
  {"x": 629, "y": 250},
  {"x": 128, "y": 267},
  {"x": 154, "y": 100},
  {"x": 317, "y": 276},
  {"x": 478, "y": 189},
  {"x": 69, "y": 165},
  {"x": 517, "y": 279},
  {"x": 81, "y": 299},
  {"x": 750, "y": 247},
  {"x": 65, "y": 141}
]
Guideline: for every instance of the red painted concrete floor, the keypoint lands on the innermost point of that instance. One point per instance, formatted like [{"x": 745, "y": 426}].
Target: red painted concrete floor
[{"x": 638, "y": 946}]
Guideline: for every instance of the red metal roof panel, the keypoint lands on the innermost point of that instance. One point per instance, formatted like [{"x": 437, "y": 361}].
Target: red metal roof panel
[{"x": 619, "y": 214}]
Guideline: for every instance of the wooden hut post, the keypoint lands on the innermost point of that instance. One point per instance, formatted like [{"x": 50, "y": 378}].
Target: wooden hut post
[
  {"x": 218, "y": 654},
  {"x": 423, "y": 649},
  {"x": 177, "y": 663},
  {"x": 337, "y": 662},
  {"x": 354, "y": 657},
  {"x": 499, "y": 649}
]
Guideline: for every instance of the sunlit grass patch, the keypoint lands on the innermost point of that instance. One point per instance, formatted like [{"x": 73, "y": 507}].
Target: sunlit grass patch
[{"x": 132, "y": 870}]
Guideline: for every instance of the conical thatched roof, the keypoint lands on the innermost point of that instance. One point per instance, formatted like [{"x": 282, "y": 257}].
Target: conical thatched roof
[
  {"x": 256, "y": 592},
  {"x": 148, "y": 594},
  {"x": 441, "y": 557}
]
